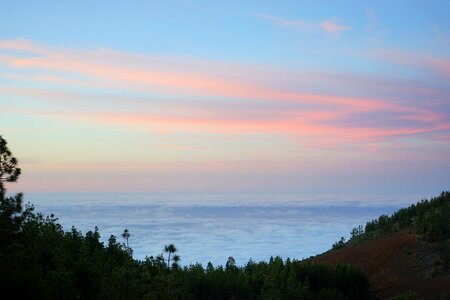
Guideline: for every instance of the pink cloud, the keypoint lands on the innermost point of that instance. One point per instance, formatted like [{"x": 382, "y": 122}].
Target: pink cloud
[
  {"x": 185, "y": 82},
  {"x": 21, "y": 45},
  {"x": 230, "y": 105},
  {"x": 329, "y": 26},
  {"x": 333, "y": 27},
  {"x": 312, "y": 127},
  {"x": 440, "y": 65}
]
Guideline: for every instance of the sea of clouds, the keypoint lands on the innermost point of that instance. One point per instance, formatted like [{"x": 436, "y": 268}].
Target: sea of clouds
[{"x": 212, "y": 227}]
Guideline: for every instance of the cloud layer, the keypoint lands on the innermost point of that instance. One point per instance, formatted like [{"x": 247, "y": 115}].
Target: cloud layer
[
  {"x": 212, "y": 227},
  {"x": 201, "y": 114},
  {"x": 330, "y": 26}
]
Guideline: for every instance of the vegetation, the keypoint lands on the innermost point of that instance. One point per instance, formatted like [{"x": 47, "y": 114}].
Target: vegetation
[
  {"x": 428, "y": 218},
  {"x": 39, "y": 260},
  {"x": 339, "y": 244},
  {"x": 405, "y": 296},
  {"x": 9, "y": 172}
]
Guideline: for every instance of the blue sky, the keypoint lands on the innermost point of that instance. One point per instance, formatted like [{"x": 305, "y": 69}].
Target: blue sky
[{"x": 227, "y": 30}]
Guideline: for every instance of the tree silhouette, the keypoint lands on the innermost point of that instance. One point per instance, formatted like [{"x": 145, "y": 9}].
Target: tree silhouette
[
  {"x": 9, "y": 172},
  {"x": 176, "y": 259},
  {"x": 43, "y": 261},
  {"x": 230, "y": 266},
  {"x": 126, "y": 235},
  {"x": 170, "y": 249}
]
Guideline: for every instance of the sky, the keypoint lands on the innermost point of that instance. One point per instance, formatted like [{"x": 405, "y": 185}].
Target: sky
[{"x": 232, "y": 96}]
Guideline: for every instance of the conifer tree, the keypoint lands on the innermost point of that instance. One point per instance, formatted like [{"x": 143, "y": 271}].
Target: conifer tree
[{"x": 9, "y": 172}]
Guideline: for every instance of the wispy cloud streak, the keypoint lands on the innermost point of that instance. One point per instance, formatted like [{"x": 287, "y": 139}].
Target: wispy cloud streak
[
  {"x": 436, "y": 64},
  {"x": 205, "y": 100},
  {"x": 330, "y": 26},
  {"x": 333, "y": 27}
]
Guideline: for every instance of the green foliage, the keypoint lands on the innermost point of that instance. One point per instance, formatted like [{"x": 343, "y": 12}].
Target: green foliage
[
  {"x": 276, "y": 279},
  {"x": 339, "y": 244},
  {"x": 357, "y": 231},
  {"x": 39, "y": 260},
  {"x": 171, "y": 249},
  {"x": 9, "y": 172},
  {"x": 405, "y": 296},
  {"x": 44, "y": 262},
  {"x": 430, "y": 218}
]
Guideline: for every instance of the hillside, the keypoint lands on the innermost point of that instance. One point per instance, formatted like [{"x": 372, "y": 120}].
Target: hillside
[
  {"x": 406, "y": 252},
  {"x": 396, "y": 263}
]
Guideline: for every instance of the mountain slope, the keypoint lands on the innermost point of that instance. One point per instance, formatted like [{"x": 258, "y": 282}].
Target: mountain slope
[{"x": 408, "y": 251}]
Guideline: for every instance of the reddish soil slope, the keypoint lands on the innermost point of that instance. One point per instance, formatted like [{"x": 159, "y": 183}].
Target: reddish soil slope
[{"x": 395, "y": 264}]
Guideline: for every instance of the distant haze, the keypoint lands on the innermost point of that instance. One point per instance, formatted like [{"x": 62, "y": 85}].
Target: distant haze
[{"x": 254, "y": 96}]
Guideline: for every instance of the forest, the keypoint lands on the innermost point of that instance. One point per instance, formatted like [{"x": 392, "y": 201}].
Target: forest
[
  {"x": 40, "y": 260},
  {"x": 428, "y": 218}
]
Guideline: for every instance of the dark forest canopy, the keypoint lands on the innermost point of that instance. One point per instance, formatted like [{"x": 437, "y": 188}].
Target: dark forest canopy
[
  {"x": 39, "y": 260},
  {"x": 428, "y": 218}
]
